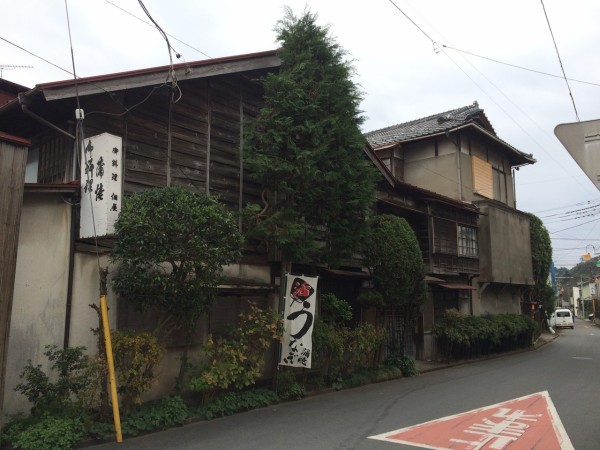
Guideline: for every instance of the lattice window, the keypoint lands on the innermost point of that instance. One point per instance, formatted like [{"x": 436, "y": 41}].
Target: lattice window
[
  {"x": 445, "y": 237},
  {"x": 467, "y": 242},
  {"x": 56, "y": 161}
]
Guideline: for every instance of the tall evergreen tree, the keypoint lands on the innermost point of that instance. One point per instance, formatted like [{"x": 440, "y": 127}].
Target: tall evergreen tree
[{"x": 307, "y": 151}]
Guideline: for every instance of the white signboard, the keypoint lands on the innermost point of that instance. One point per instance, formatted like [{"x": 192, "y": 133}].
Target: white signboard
[
  {"x": 101, "y": 184},
  {"x": 299, "y": 319}
]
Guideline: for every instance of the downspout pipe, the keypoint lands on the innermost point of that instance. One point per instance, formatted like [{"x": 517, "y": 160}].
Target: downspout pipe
[{"x": 67, "y": 334}]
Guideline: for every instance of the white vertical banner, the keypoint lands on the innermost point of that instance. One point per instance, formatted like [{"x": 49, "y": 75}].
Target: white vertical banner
[
  {"x": 101, "y": 173},
  {"x": 298, "y": 320}
]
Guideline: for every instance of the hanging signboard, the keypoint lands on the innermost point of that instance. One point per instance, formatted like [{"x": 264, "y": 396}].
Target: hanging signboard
[
  {"x": 299, "y": 316},
  {"x": 101, "y": 185}
]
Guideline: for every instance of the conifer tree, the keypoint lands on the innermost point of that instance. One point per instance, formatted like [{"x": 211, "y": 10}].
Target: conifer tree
[{"x": 306, "y": 150}]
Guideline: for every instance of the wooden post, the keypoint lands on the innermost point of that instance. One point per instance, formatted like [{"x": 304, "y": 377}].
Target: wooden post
[{"x": 13, "y": 160}]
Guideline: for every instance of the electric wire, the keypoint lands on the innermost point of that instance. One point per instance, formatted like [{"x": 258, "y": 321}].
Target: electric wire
[
  {"x": 151, "y": 25},
  {"x": 79, "y": 137},
  {"x": 509, "y": 116},
  {"x": 539, "y": 72},
  {"x": 578, "y": 212},
  {"x": 109, "y": 93},
  {"x": 414, "y": 23},
  {"x": 563, "y": 207},
  {"x": 520, "y": 126},
  {"x": 35, "y": 56},
  {"x": 559, "y": 59},
  {"x": 172, "y": 74},
  {"x": 72, "y": 56},
  {"x": 542, "y": 148},
  {"x": 436, "y": 49},
  {"x": 574, "y": 226}
]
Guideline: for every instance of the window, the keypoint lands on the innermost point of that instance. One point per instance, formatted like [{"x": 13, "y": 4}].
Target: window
[
  {"x": 444, "y": 236},
  {"x": 483, "y": 183},
  {"x": 467, "y": 242}
]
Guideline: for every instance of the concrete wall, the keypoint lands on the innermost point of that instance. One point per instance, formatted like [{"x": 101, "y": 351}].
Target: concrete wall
[
  {"x": 86, "y": 291},
  {"x": 40, "y": 297},
  {"x": 505, "y": 246},
  {"x": 39, "y": 300},
  {"x": 500, "y": 299}
]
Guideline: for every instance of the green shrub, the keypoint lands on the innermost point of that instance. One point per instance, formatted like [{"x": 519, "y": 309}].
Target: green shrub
[
  {"x": 237, "y": 361},
  {"x": 334, "y": 310},
  {"x": 55, "y": 397},
  {"x": 94, "y": 396},
  {"x": 49, "y": 433},
  {"x": 232, "y": 402},
  {"x": 339, "y": 350},
  {"x": 406, "y": 364},
  {"x": 161, "y": 414},
  {"x": 288, "y": 388},
  {"x": 135, "y": 355},
  {"x": 328, "y": 349},
  {"x": 461, "y": 336},
  {"x": 362, "y": 346}
]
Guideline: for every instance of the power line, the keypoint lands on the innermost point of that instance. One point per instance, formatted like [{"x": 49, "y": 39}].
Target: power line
[
  {"x": 36, "y": 56},
  {"x": 72, "y": 56},
  {"x": 575, "y": 226},
  {"x": 510, "y": 117},
  {"x": 517, "y": 66},
  {"x": 560, "y": 61},
  {"x": 563, "y": 207},
  {"x": 414, "y": 23},
  {"x": 151, "y": 25},
  {"x": 568, "y": 213}
]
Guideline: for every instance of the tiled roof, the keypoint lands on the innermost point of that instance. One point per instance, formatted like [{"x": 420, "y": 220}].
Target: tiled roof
[{"x": 429, "y": 125}]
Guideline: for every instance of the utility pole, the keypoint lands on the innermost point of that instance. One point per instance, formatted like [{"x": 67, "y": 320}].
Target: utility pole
[{"x": 581, "y": 296}]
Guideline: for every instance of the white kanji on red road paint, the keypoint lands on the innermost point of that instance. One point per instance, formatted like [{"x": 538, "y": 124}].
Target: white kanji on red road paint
[{"x": 529, "y": 422}]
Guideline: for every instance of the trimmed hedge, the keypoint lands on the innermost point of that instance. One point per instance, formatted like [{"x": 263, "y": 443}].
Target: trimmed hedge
[{"x": 459, "y": 336}]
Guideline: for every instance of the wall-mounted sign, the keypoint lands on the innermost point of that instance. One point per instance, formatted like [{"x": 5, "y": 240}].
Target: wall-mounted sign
[{"x": 101, "y": 184}]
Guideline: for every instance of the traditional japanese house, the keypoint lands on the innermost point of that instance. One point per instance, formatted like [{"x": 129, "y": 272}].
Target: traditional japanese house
[{"x": 458, "y": 154}]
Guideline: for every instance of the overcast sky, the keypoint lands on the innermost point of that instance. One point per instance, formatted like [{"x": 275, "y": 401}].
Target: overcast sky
[{"x": 413, "y": 59}]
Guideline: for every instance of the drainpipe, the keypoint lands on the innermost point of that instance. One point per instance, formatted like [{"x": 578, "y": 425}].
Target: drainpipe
[{"x": 67, "y": 333}]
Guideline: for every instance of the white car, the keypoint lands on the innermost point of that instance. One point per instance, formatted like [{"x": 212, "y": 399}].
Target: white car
[{"x": 562, "y": 318}]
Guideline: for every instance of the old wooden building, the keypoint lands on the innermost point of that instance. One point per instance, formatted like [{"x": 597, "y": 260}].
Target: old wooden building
[{"x": 184, "y": 125}]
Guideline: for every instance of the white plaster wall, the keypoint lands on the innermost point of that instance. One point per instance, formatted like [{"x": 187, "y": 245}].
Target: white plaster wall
[
  {"x": 39, "y": 300},
  {"x": 86, "y": 291}
]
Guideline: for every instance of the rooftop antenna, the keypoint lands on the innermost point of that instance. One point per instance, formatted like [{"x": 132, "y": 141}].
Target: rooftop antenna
[{"x": 4, "y": 67}]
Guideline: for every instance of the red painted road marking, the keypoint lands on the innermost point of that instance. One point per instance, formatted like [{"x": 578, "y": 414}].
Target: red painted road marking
[{"x": 529, "y": 422}]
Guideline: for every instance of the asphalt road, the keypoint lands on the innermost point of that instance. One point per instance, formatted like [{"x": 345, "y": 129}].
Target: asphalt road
[{"x": 567, "y": 368}]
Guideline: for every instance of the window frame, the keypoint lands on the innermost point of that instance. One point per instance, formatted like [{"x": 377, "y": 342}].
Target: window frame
[{"x": 467, "y": 243}]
